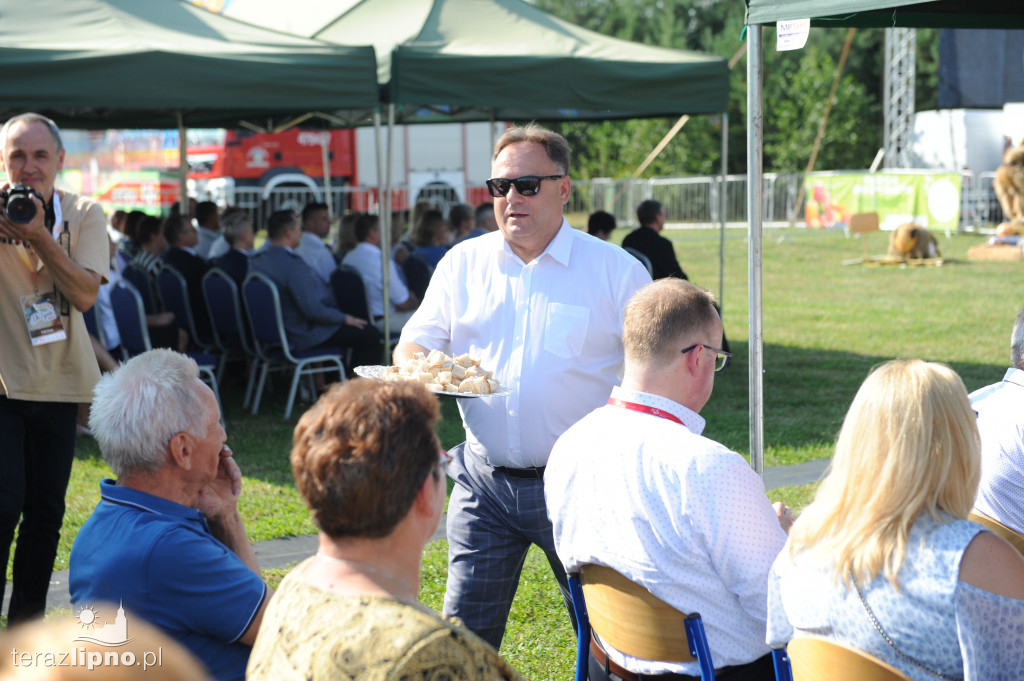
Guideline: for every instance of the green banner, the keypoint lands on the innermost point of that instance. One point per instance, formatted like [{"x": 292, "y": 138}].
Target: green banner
[{"x": 929, "y": 199}]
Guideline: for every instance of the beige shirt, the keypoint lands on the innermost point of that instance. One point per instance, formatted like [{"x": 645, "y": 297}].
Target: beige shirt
[{"x": 64, "y": 371}]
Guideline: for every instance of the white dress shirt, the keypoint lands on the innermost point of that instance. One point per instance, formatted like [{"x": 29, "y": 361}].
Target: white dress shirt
[
  {"x": 366, "y": 258},
  {"x": 1000, "y": 408},
  {"x": 317, "y": 255},
  {"x": 550, "y": 329},
  {"x": 673, "y": 511},
  {"x": 218, "y": 248},
  {"x": 207, "y": 237}
]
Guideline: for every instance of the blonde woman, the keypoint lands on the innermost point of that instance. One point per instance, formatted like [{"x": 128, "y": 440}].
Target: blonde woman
[{"x": 880, "y": 558}]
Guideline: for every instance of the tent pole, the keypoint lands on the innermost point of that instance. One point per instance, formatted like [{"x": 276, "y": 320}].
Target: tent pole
[
  {"x": 384, "y": 252},
  {"x": 325, "y": 153},
  {"x": 182, "y": 164},
  {"x": 755, "y": 207},
  {"x": 386, "y": 234},
  {"x": 721, "y": 210}
]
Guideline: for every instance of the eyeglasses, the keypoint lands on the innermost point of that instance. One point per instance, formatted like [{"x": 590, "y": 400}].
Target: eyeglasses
[
  {"x": 445, "y": 461},
  {"x": 527, "y": 185},
  {"x": 721, "y": 356}
]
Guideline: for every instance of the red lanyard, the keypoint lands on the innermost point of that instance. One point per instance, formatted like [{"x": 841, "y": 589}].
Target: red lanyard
[{"x": 643, "y": 408}]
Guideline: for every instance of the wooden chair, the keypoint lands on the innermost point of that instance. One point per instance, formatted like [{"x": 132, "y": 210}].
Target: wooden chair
[
  {"x": 818, "y": 659},
  {"x": 634, "y": 621},
  {"x": 1003, "y": 531},
  {"x": 863, "y": 224}
]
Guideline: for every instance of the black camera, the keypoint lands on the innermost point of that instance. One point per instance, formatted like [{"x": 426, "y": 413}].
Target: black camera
[{"x": 20, "y": 208}]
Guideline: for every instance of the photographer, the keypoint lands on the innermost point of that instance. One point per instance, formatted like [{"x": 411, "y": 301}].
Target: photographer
[{"x": 53, "y": 253}]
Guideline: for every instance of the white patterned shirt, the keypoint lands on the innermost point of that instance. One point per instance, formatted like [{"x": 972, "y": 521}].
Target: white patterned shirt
[
  {"x": 673, "y": 511},
  {"x": 1000, "y": 408},
  {"x": 550, "y": 329}
]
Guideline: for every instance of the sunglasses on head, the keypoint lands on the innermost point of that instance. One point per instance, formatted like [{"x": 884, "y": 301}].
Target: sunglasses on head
[{"x": 527, "y": 185}]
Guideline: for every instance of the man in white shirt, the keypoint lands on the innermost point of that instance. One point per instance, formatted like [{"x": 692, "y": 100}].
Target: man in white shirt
[
  {"x": 541, "y": 305},
  {"x": 635, "y": 487},
  {"x": 316, "y": 223},
  {"x": 208, "y": 220},
  {"x": 366, "y": 258},
  {"x": 1000, "y": 408}
]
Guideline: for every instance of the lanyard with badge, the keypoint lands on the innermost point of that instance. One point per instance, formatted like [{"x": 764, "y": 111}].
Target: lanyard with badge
[
  {"x": 644, "y": 409},
  {"x": 41, "y": 310}
]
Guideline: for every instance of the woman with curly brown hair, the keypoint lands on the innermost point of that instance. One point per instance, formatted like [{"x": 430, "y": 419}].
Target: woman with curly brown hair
[{"x": 366, "y": 460}]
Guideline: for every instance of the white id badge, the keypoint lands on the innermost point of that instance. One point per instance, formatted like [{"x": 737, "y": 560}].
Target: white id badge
[{"x": 42, "y": 318}]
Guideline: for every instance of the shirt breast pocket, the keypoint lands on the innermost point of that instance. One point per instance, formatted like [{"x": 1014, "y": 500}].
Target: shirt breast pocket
[{"x": 565, "y": 331}]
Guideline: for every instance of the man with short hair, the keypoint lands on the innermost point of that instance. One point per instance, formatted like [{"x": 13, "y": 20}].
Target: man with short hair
[
  {"x": 485, "y": 223},
  {"x": 1000, "y": 409},
  {"x": 540, "y": 304},
  {"x": 182, "y": 239},
  {"x": 648, "y": 240},
  {"x": 51, "y": 268},
  {"x": 601, "y": 224},
  {"x": 166, "y": 540},
  {"x": 311, "y": 316},
  {"x": 316, "y": 223},
  {"x": 208, "y": 220},
  {"x": 462, "y": 219},
  {"x": 366, "y": 259},
  {"x": 635, "y": 486}
]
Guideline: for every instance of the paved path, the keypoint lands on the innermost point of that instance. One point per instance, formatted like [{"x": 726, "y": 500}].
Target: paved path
[{"x": 276, "y": 553}]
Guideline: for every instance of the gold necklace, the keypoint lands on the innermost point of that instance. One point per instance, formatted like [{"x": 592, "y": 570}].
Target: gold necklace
[{"x": 368, "y": 568}]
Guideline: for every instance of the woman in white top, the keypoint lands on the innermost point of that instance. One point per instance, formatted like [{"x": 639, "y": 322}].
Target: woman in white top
[{"x": 884, "y": 557}]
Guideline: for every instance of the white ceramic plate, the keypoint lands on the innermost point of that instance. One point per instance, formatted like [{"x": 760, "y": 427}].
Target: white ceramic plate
[{"x": 380, "y": 373}]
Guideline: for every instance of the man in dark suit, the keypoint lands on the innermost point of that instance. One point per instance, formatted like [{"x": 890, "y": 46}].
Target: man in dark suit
[
  {"x": 311, "y": 316},
  {"x": 648, "y": 240},
  {"x": 181, "y": 239},
  {"x": 237, "y": 231}
]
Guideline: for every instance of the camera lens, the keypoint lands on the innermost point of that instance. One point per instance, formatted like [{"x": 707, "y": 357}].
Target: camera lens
[{"x": 21, "y": 209}]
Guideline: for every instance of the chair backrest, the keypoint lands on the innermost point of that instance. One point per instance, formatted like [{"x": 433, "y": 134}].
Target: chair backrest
[
  {"x": 644, "y": 260},
  {"x": 93, "y": 324},
  {"x": 350, "y": 292},
  {"x": 818, "y": 659},
  {"x": 174, "y": 292},
  {"x": 145, "y": 285},
  {"x": 263, "y": 303},
  {"x": 130, "y": 317},
  {"x": 417, "y": 274},
  {"x": 631, "y": 619},
  {"x": 225, "y": 306},
  {"x": 1007, "y": 533}
]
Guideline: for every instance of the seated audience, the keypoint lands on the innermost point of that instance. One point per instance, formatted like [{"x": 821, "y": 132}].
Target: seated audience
[
  {"x": 601, "y": 225},
  {"x": 166, "y": 540},
  {"x": 181, "y": 239},
  {"x": 128, "y": 245},
  {"x": 365, "y": 459},
  {"x": 882, "y": 556},
  {"x": 1000, "y": 409},
  {"x": 208, "y": 220},
  {"x": 311, "y": 316},
  {"x": 635, "y": 486},
  {"x": 151, "y": 246},
  {"x": 238, "y": 234},
  {"x": 366, "y": 258},
  {"x": 316, "y": 223},
  {"x": 403, "y": 248},
  {"x": 431, "y": 237},
  {"x": 648, "y": 240}
]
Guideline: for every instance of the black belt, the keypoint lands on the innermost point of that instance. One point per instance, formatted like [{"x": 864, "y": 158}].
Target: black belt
[
  {"x": 611, "y": 667},
  {"x": 535, "y": 473}
]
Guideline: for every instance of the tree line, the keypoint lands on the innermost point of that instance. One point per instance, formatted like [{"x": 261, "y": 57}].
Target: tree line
[{"x": 796, "y": 86}]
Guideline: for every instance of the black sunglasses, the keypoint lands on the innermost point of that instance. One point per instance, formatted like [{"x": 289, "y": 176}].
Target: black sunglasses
[{"x": 527, "y": 185}]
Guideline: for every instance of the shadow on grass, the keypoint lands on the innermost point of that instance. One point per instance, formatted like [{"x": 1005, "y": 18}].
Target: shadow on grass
[{"x": 806, "y": 393}]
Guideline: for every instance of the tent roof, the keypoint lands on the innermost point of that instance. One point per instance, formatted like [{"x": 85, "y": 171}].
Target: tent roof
[
  {"x": 126, "y": 63},
  {"x": 469, "y": 59},
  {"x": 891, "y": 13}
]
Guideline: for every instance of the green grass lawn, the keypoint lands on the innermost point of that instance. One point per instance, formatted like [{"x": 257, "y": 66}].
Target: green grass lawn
[{"x": 825, "y": 326}]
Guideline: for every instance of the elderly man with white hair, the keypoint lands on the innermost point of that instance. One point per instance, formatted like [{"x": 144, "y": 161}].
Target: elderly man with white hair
[{"x": 166, "y": 540}]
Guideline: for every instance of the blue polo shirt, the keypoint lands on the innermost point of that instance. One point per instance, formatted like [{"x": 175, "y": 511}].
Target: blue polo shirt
[{"x": 159, "y": 560}]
